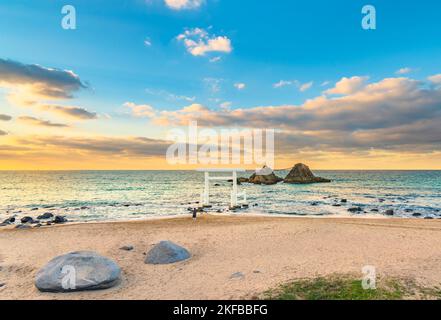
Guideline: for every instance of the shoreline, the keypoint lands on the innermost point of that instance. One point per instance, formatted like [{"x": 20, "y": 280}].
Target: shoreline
[
  {"x": 224, "y": 215},
  {"x": 268, "y": 251}
]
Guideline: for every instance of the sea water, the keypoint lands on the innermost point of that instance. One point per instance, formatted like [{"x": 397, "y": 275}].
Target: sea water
[{"x": 130, "y": 195}]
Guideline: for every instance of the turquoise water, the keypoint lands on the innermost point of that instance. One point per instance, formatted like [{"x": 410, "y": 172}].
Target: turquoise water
[{"x": 123, "y": 195}]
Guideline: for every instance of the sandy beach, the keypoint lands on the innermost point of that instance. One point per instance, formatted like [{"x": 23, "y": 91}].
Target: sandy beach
[{"x": 267, "y": 250}]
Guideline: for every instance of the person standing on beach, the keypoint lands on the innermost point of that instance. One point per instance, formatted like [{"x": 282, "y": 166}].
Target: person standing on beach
[{"x": 195, "y": 213}]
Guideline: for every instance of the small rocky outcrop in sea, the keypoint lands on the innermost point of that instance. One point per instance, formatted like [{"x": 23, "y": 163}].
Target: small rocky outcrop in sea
[
  {"x": 265, "y": 176},
  {"x": 60, "y": 219},
  {"x": 78, "y": 271},
  {"x": 167, "y": 252},
  {"x": 7, "y": 222},
  {"x": 45, "y": 216},
  {"x": 301, "y": 174},
  {"x": 27, "y": 220}
]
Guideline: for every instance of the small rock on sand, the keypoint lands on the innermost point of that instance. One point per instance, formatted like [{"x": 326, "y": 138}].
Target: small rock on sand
[
  {"x": 127, "y": 248},
  {"x": 23, "y": 226},
  {"x": 90, "y": 272},
  {"x": 237, "y": 276},
  {"x": 167, "y": 252}
]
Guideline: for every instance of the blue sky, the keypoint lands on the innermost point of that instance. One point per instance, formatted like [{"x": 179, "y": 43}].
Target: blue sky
[
  {"x": 273, "y": 40},
  {"x": 273, "y": 53}
]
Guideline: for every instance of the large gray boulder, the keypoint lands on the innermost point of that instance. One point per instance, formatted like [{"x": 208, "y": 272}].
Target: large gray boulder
[
  {"x": 78, "y": 271},
  {"x": 265, "y": 176},
  {"x": 301, "y": 174},
  {"x": 167, "y": 252}
]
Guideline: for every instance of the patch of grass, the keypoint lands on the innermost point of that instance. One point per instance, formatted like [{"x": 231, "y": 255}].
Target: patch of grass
[{"x": 339, "y": 287}]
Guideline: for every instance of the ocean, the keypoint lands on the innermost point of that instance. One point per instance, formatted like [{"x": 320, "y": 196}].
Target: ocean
[{"x": 131, "y": 195}]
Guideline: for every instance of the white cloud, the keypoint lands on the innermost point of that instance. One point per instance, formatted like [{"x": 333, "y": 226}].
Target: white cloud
[
  {"x": 226, "y": 105},
  {"x": 215, "y": 59},
  {"x": 199, "y": 42},
  {"x": 306, "y": 86},
  {"x": 348, "y": 85},
  {"x": 392, "y": 113},
  {"x": 284, "y": 83},
  {"x": 183, "y": 4},
  {"x": 435, "y": 78},
  {"x": 213, "y": 84},
  {"x": 147, "y": 42},
  {"x": 240, "y": 86},
  {"x": 169, "y": 95},
  {"x": 140, "y": 111},
  {"x": 301, "y": 86},
  {"x": 404, "y": 71}
]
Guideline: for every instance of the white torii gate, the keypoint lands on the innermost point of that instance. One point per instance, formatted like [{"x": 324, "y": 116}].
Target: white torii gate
[{"x": 205, "y": 196}]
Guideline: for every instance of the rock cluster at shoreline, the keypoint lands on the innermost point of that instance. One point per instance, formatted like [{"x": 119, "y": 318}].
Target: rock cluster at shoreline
[
  {"x": 27, "y": 222},
  {"x": 299, "y": 174}
]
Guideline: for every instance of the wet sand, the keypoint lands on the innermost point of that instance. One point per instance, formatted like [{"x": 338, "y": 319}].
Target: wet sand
[{"x": 266, "y": 250}]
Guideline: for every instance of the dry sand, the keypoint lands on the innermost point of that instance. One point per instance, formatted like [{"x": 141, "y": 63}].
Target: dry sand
[{"x": 267, "y": 250}]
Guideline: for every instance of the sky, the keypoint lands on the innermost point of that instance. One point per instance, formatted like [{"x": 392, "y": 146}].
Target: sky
[{"x": 107, "y": 94}]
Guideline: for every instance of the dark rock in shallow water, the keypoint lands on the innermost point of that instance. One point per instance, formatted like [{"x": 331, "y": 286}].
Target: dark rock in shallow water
[
  {"x": 417, "y": 214},
  {"x": 167, "y": 252},
  {"x": 408, "y": 210},
  {"x": 60, "y": 219},
  {"x": 243, "y": 180},
  {"x": 89, "y": 271},
  {"x": 428, "y": 218},
  {"x": 375, "y": 210},
  {"x": 45, "y": 216},
  {"x": 301, "y": 174},
  {"x": 265, "y": 176},
  {"x": 344, "y": 200},
  {"x": 10, "y": 220},
  {"x": 27, "y": 220},
  {"x": 355, "y": 209},
  {"x": 389, "y": 212},
  {"x": 34, "y": 209}
]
